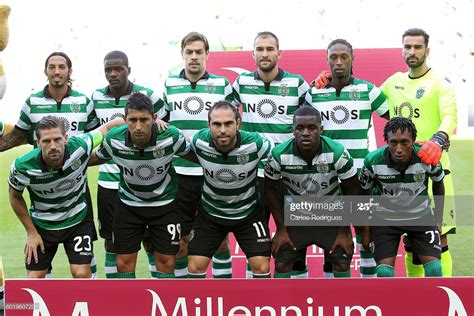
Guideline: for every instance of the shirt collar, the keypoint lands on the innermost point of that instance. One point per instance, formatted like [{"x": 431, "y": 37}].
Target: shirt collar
[
  {"x": 154, "y": 136},
  {"x": 48, "y": 95},
  {"x": 129, "y": 89},
  {"x": 182, "y": 75},
  {"x": 351, "y": 81},
  {"x": 44, "y": 167},
  {"x": 279, "y": 77}
]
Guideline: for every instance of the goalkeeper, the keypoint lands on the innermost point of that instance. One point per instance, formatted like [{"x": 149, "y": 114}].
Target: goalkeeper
[{"x": 429, "y": 101}]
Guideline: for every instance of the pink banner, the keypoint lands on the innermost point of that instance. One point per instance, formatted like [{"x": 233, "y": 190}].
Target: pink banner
[
  {"x": 374, "y": 297},
  {"x": 373, "y": 65}
]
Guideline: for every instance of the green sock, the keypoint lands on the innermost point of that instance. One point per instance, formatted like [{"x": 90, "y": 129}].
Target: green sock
[
  {"x": 261, "y": 276},
  {"x": 303, "y": 274},
  {"x": 222, "y": 265},
  {"x": 433, "y": 269},
  {"x": 161, "y": 275},
  {"x": 343, "y": 274},
  {"x": 126, "y": 275},
  {"x": 367, "y": 261},
  {"x": 110, "y": 265},
  {"x": 152, "y": 264},
  {"x": 385, "y": 271},
  {"x": 196, "y": 275},
  {"x": 181, "y": 268},
  {"x": 282, "y": 275},
  {"x": 413, "y": 270},
  {"x": 446, "y": 262}
]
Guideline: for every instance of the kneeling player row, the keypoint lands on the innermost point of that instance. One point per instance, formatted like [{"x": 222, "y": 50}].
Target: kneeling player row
[{"x": 230, "y": 201}]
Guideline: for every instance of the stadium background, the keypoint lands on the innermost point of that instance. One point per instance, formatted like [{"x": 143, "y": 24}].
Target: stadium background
[{"x": 150, "y": 35}]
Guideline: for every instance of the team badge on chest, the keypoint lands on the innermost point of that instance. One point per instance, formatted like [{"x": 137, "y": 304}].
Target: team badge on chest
[
  {"x": 322, "y": 166},
  {"x": 420, "y": 92},
  {"x": 243, "y": 158},
  {"x": 354, "y": 94},
  {"x": 210, "y": 88},
  {"x": 283, "y": 90},
  {"x": 419, "y": 176},
  {"x": 159, "y": 152}
]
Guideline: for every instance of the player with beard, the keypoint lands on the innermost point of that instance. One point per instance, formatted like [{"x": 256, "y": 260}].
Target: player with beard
[
  {"x": 269, "y": 96},
  {"x": 57, "y": 98}
]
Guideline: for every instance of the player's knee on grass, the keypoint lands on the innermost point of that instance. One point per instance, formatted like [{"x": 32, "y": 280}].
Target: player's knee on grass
[
  {"x": 259, "y": 264},
  {"x": 198, "y": 264},
  {"x": 165, "y": 263},
  {"x": 81, "y": 271}
]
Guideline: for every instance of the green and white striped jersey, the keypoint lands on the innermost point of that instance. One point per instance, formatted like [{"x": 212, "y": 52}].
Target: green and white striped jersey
[
  {"x": 347, "y": 117},
  {"x": 331, "y": 163},
  {"x": 406, "y": 191},
  {"x": 147, "y": 177},
  {"x": 57, "y": 195},
  {"x": 75, "y": 110},
  {"x": 230, "y": 180},
  {"x": 268, "y": 108},
  {"x": 188, "y": 104},
  {"x": 107, "y": 108}
]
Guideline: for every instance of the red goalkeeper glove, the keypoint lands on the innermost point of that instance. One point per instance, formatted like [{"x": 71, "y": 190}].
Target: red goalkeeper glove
[
  {"x": 322, "y": 81},
  {"x": 431, "y": 150}
]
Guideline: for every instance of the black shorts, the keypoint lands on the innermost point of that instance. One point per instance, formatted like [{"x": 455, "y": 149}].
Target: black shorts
[
  {"x": 77, "y": 242},
  {"x": 106, "y": 200},
  {"x": 425, "y": 240},
  {"x": 187, "y": 199},
  {"x": 130, "y": 224},
  {"x": 90, "y": 212},
  {"x": 208, "y": 232},
  {"x": 303, "y": 237}
]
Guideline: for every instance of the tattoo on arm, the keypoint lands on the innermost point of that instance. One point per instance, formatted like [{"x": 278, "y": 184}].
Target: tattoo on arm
[{"x": 13, "y": 139}]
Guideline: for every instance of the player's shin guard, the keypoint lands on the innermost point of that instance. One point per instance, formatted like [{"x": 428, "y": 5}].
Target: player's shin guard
[
  {"x": 282, "y": 275},
  {"x": 222, "y": 265},
  {"x": 196, "y": 275},
  {"x": 343, "y": 274},
  {"x": 110, "y": 265},
  {"x": 261, "y": 276},
  {"x": 412, "y": 270},
  {"x": 446, "y": 262},
  {"x": 161, "y": 275},
  {"x": 126, "y": 275},
  {"x": 367, "y": 261},
  {"x": 433, "y": 269},
  {"x": 93, "y": 267},
  {"x": 385, "y": 271},
  {"x": 248, "y": 271},
  {"x": 152, "y": 264},
  {"x": 181, "y": 268}
]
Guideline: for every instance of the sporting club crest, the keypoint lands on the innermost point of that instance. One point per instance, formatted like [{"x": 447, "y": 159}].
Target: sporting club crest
[
  {"x": 243, "y": 158},
  {"x": 210, "y": 88},
  {"x": 420, "y": 92},
  {"x": 283, "y": 90},
  {"x": 159, "y": 152},
  {"x": 354, "y": 94},
  {"x": 419, "y": 176},
  {"x": 75, "y": 107},
  {"x": 322, "y": 166}
]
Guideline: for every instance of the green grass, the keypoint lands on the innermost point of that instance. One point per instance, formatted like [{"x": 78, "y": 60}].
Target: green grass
[{"x": 13, "y": 236}]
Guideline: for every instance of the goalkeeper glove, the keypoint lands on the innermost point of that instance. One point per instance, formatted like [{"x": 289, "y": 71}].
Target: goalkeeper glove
[
  {"x": 322, "y": 81},
  {"x": 431, "y": 151}
]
